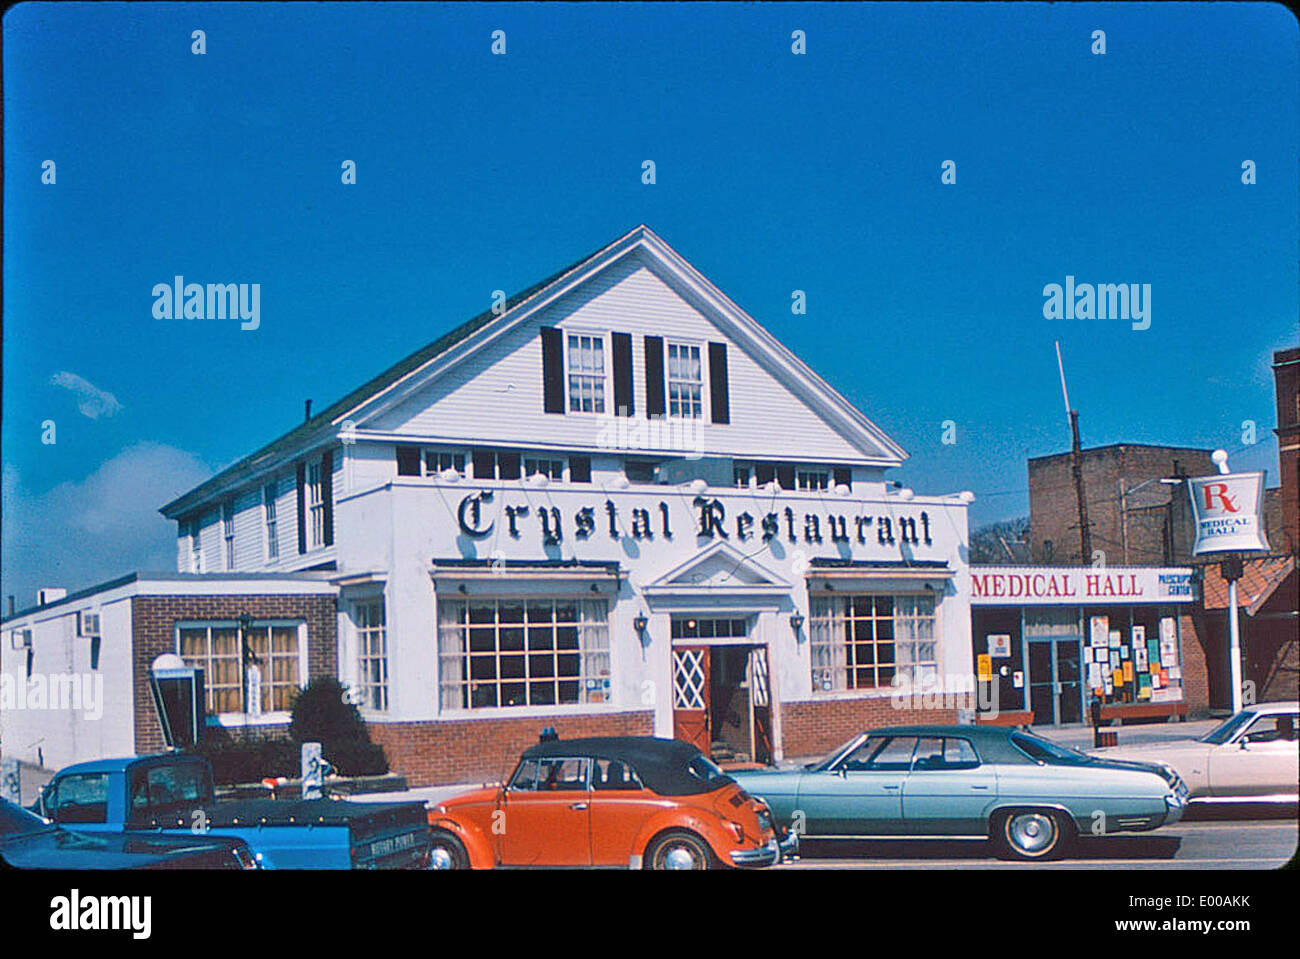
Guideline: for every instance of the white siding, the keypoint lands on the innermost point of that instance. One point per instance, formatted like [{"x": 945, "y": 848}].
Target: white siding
[{"x": 498, "y": 394}]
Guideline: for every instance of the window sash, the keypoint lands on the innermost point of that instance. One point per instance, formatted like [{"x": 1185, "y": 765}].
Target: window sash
[
  {"x": 586, "y": 373},
  {"x": 865, "y": 641},
  {"x": 372, "y": 654},
  {"x": 685, "y": 377},
  {"x": 524, "y": 652},
  {"x": 214, "y": 648}
]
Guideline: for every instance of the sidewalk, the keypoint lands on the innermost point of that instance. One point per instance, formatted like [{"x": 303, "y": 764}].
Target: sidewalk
[{"x": 1080, "y": 737}]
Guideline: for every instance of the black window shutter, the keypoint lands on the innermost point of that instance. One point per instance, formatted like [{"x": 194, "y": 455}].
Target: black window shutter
[
  {"x": 785, "y": 475},
  {"x": 408, "y": 460},
  {"x": 507, "y": 465},
  {"x": 302, "y": 507},
  {"x": 485, "y": 464},
  {"x": 719, "y": 396},
  {"x": 843, "y": 475},
  {"x": 654, "y": 376},
  {"x": 327, "y": 494},
  {"x": 624, "y": 405},
  {"x": 579, "y": 469},
  {"x": 552, "y": 370}
]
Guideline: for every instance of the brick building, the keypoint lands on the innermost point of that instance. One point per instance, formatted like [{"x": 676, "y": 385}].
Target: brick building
[
  {"x": 73, "y": 671},
  {"x": 1137, "y": 517}
]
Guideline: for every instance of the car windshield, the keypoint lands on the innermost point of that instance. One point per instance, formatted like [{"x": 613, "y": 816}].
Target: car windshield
[
  {"x": 1044, "y": 750},
  {"x": 1223, "y": 732},
  {"x": 17, "y": 821}
]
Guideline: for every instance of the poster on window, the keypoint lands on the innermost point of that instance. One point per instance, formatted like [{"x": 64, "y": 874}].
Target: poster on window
[
  {"x": 999, "y": 645},
  {"x": 1099, "y": 629},
  {"x": 1168, "y": 640}
]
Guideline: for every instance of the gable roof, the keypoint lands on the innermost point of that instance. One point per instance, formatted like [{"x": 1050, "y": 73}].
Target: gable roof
[{"x": 454, "y": 346}]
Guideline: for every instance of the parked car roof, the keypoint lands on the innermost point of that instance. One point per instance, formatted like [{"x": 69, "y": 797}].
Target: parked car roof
[
  {"x": 992, "y": 743},
  {"x": 662, "y": 764}
]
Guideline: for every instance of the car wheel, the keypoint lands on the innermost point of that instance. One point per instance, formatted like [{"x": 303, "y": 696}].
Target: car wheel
[
  {"x": 1032, "y": 834},
  {"x": 679, "y": 850},
  {"x": 446, "y": 851}
]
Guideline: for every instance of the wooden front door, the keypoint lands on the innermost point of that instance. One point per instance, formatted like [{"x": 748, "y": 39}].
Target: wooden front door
[{"x": 691, "y": 696}]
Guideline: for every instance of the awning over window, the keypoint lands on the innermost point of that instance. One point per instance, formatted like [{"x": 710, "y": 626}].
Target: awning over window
[
  {"x": 836, "y": 575},
  {"x": 539, "y": 577}
]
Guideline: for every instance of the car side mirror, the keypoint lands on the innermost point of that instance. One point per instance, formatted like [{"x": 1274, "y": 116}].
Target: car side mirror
[{"x": 842, "y": 771}]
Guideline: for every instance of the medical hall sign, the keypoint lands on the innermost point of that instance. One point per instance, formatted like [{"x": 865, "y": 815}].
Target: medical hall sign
[
  {"x": 709, "y": 518},
  {"x": 1227, "y": 512}
]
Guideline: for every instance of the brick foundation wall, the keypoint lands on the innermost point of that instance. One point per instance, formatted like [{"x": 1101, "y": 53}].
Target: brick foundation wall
[
  {"x": 815, "y": 727},
  {"x": 449, "y": 751},
  {"x": 153, "y": 632}
]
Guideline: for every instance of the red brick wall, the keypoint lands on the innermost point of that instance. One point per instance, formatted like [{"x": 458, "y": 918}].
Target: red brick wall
[
  {"x": 448, "y": 751},
  {"x": 817, "y": 726},
  {"x": 1196, "y": 674},
  {"x": 153, "y": 632}
]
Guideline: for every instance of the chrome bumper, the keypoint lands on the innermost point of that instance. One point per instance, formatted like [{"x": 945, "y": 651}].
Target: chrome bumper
[
  {"x": 1175, "y": 805},
  {"x": 768, "y": 854}
]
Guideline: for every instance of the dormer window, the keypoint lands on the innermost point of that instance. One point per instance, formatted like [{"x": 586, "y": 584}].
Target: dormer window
[{"x": 586, "y": 356}]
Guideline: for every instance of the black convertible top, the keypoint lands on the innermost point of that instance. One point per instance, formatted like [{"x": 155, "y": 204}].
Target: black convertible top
[{"x": 662, "y": 764}]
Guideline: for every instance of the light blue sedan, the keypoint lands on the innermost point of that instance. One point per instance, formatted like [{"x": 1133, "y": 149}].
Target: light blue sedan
[{"x": 1030, "y": 796}]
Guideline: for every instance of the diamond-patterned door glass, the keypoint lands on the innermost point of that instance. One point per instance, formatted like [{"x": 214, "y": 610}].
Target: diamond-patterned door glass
[
  {"x": 758, "y": 675},
  {"x": 688, "y": 678}
]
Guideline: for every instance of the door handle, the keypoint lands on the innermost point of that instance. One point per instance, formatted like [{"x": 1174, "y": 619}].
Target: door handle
[
  {"x": 974, "y": 786},
  {"x": 891, "y": 787},
  {"x": 578, "y": 805}
]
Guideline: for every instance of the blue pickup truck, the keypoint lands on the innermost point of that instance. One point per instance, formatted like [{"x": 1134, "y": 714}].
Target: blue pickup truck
[{"x": 172, "y": 793}]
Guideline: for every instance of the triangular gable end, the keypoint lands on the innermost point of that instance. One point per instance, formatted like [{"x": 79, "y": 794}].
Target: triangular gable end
[{"x": 397, "y": 408}]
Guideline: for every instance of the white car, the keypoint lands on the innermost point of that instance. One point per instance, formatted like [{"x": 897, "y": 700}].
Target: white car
[{"x": 1249, "y": 757}]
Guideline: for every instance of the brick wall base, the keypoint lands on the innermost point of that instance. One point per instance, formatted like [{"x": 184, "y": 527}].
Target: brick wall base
[
  {"x": 816, "y": 727},
  {"x": 444, "y": 752}
]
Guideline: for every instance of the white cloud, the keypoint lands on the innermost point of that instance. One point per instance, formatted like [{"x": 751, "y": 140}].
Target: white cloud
[
  {"x": 91, "y": 400},
  {"x": 84, "y": 532}
]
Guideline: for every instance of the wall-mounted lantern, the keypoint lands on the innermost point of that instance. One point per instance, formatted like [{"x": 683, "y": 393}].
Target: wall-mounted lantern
[{"x": 796, "y": 622}]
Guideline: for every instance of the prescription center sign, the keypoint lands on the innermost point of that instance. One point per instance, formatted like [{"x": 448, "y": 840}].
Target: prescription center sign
[{"x": 1228, "y": 512}]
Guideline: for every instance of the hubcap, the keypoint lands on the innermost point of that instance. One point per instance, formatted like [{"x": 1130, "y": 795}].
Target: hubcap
[
  {"x": 1031, "y": 832},
  {"x": 440, "y": 858},
  {"x": 679, "y": 857}
]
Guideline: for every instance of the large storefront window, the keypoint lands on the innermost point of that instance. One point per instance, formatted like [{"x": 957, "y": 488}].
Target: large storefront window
[
  {"x": 1133, "y": 654},
  {"x": 270, "y": 672},
  {"x": 865, "y": 641},
  {"x": 515, "y": 652}
]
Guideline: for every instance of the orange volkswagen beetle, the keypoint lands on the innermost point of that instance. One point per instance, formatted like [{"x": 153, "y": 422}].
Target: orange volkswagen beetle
[{"x": 608, "y": 801}]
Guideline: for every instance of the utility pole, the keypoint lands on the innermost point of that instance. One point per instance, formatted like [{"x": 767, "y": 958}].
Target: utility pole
[{"x": 1076, "y": 466}]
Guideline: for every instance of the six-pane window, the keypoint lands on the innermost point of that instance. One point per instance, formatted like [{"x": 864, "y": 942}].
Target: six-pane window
[
  {"x": 685, "y": 381},
  {"x": 551, "y": 469},
  {"x": 811, "y": 479},
  {"x": 586, "y": 373},
  {"x": 435, "y": 461},
  {"x": 864, "y": 641},
  {"x": 516, "y": 652},
  {"x": 372, "y": 642}
]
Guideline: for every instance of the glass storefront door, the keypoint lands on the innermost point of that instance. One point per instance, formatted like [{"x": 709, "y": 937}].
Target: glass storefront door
[{"x": 1055, "y": 674}]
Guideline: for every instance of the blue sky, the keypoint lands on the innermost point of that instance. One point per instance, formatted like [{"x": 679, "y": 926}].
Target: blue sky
[{"x": 775, "y": 172}]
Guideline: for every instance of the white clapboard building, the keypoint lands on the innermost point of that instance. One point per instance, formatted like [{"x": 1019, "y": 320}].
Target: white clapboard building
[{"x": 612, "y": 504}]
